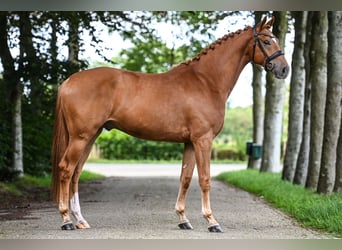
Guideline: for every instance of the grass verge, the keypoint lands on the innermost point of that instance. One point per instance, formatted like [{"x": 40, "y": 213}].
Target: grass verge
[
  {"x": 322, "y": 212},
  {"x": 16, "y": 187}
]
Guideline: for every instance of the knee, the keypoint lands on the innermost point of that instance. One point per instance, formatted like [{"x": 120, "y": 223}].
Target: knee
[
  {"x": 186, "y": 182},
  {"x": 64, "y": 171},
  {"x": 204, "y": 183}
]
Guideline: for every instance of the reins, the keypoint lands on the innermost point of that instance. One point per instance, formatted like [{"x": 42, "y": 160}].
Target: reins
[{"x": 268, "y": 65}]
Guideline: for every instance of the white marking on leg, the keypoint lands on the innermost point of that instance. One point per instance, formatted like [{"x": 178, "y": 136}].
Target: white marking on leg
[
  {"x": 76, "y": 210},
  {"x": 185, "y": 165}
]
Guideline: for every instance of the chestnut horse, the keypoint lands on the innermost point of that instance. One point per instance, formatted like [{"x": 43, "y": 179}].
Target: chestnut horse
[{"x": 184, "y": 105}]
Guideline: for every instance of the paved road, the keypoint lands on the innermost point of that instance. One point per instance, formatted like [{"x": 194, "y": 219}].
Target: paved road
[
  {"x": 152, "y": 170},
  {"x": 132, "y": 206}
]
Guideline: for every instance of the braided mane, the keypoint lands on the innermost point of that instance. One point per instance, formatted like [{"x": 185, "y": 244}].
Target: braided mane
[{"x": 216, "y": 43}]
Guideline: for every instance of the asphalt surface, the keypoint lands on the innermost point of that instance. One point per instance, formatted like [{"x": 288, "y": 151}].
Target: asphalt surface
[{"x": 137, "y": 202}]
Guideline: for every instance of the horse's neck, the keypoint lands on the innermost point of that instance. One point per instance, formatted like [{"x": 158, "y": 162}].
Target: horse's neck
[{"x": 222, "y": 65}]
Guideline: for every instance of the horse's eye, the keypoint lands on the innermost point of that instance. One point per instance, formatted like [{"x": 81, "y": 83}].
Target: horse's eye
[{"x": 266, "y": 42}]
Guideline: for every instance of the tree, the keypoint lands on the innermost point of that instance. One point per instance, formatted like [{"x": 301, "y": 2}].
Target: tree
[
  {"x": 274, "y": 101},
  {"x": 13, "y": 89},
  {"x": 318, "y": 94},
  {"x": 332, "y": 117},
  {"x": 303, "y": 157},
  {"x": 150, "y": 56},
  {"x": 33, "y": 67},
  {"x": 338, "y": 179},
  {"x": 73, "y": 42},
  {"x": 297, "y": 87},
  {"x": 258, "y": 103}
]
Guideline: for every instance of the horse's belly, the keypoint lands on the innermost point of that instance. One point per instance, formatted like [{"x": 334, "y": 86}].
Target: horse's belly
[{"x": 157, "y": 133}]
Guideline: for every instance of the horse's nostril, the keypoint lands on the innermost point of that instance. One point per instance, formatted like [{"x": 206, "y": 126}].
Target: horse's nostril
[
  {"x": 269, "y": 66},
  {"x": 285, "y": 70}
]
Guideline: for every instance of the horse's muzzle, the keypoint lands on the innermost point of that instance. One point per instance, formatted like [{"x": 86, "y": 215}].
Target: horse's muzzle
[{"x": 280, "y": 71}]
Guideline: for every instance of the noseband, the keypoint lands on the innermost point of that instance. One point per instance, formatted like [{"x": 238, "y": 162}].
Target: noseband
[{"x": 268, "y": 64}]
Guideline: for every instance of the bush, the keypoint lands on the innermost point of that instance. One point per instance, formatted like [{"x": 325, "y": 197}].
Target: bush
[
  {"x": 116, "y": 145},
  {"x": 37, "y": 141},
  {"x": 230, "y": 154}
]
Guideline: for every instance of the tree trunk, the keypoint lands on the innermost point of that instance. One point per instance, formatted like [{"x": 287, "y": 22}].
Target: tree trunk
[
  {"x": 13, "y": 89},
  {"x": 73, "y": 43},
  {"x": 30, "y": 66},
  {"x": 18, "y": 165},
  {"x": 318, "y": 91},
  {"x": 333, "y": 104},
  {"x": 275, "y": 91},
  {"x": 54, "y": 49},
  {"x": 258, "y": 114},
  {"x": 258, "y": 102},
  {"x": 297, "y": 89},
  {"x": 303, "y": 157},
  {"x": 338, "y": 180}
]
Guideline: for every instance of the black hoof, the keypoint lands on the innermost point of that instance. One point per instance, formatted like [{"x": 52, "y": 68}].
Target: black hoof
[
  {"x": 68, "y": 226},
  {"x": 185, "y": 225},
  {"x": 215, "y": 229}
]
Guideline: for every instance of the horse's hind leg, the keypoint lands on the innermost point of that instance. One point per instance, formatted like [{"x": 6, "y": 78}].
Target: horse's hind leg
[
  {"x": 75, "y": 207},
  {"x": 67, "y": 168},
  {"x": 188, "y": 165}
]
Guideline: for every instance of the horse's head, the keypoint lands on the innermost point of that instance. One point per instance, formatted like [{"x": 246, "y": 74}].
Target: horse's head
[{"x": 266, "y": 50}]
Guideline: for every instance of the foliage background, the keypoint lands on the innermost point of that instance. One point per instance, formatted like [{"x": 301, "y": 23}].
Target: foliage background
[{"x": 43, "y": 48}]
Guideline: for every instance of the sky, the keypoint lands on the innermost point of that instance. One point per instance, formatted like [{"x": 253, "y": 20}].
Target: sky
[{"x": 242, "y": 93}]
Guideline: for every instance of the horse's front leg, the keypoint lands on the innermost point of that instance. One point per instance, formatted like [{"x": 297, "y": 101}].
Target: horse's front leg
[
  {"x": 188, "y": 165},
  {"x": 202, "y": 152}
]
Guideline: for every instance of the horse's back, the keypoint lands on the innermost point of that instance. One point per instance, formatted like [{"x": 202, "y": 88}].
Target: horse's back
[{"x": 92, "y": 77}]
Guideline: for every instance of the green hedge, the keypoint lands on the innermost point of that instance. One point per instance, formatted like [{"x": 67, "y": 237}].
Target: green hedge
[
  {"x": 229, "y": 154},
  {"x": 116, "y": 145}
]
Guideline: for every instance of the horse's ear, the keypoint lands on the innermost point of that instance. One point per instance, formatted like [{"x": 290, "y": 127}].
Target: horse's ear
[
  {"x": 269, "y": 24},
  {"x": 260, "y": 25}
]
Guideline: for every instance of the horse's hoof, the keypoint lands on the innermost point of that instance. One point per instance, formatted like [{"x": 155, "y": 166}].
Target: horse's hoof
[
  {"x": 68, "y": 226},
  {"x": 215, "y": 229},
  {"x": 185, "y": 225},
  {"x": 83, "y": 225}
]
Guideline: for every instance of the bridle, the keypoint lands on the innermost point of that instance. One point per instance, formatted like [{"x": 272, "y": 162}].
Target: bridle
[{"x": 268, "y": 64}]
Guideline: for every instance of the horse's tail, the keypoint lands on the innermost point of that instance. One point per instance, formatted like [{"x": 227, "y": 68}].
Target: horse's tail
[{"x": 59, "y": 145}]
